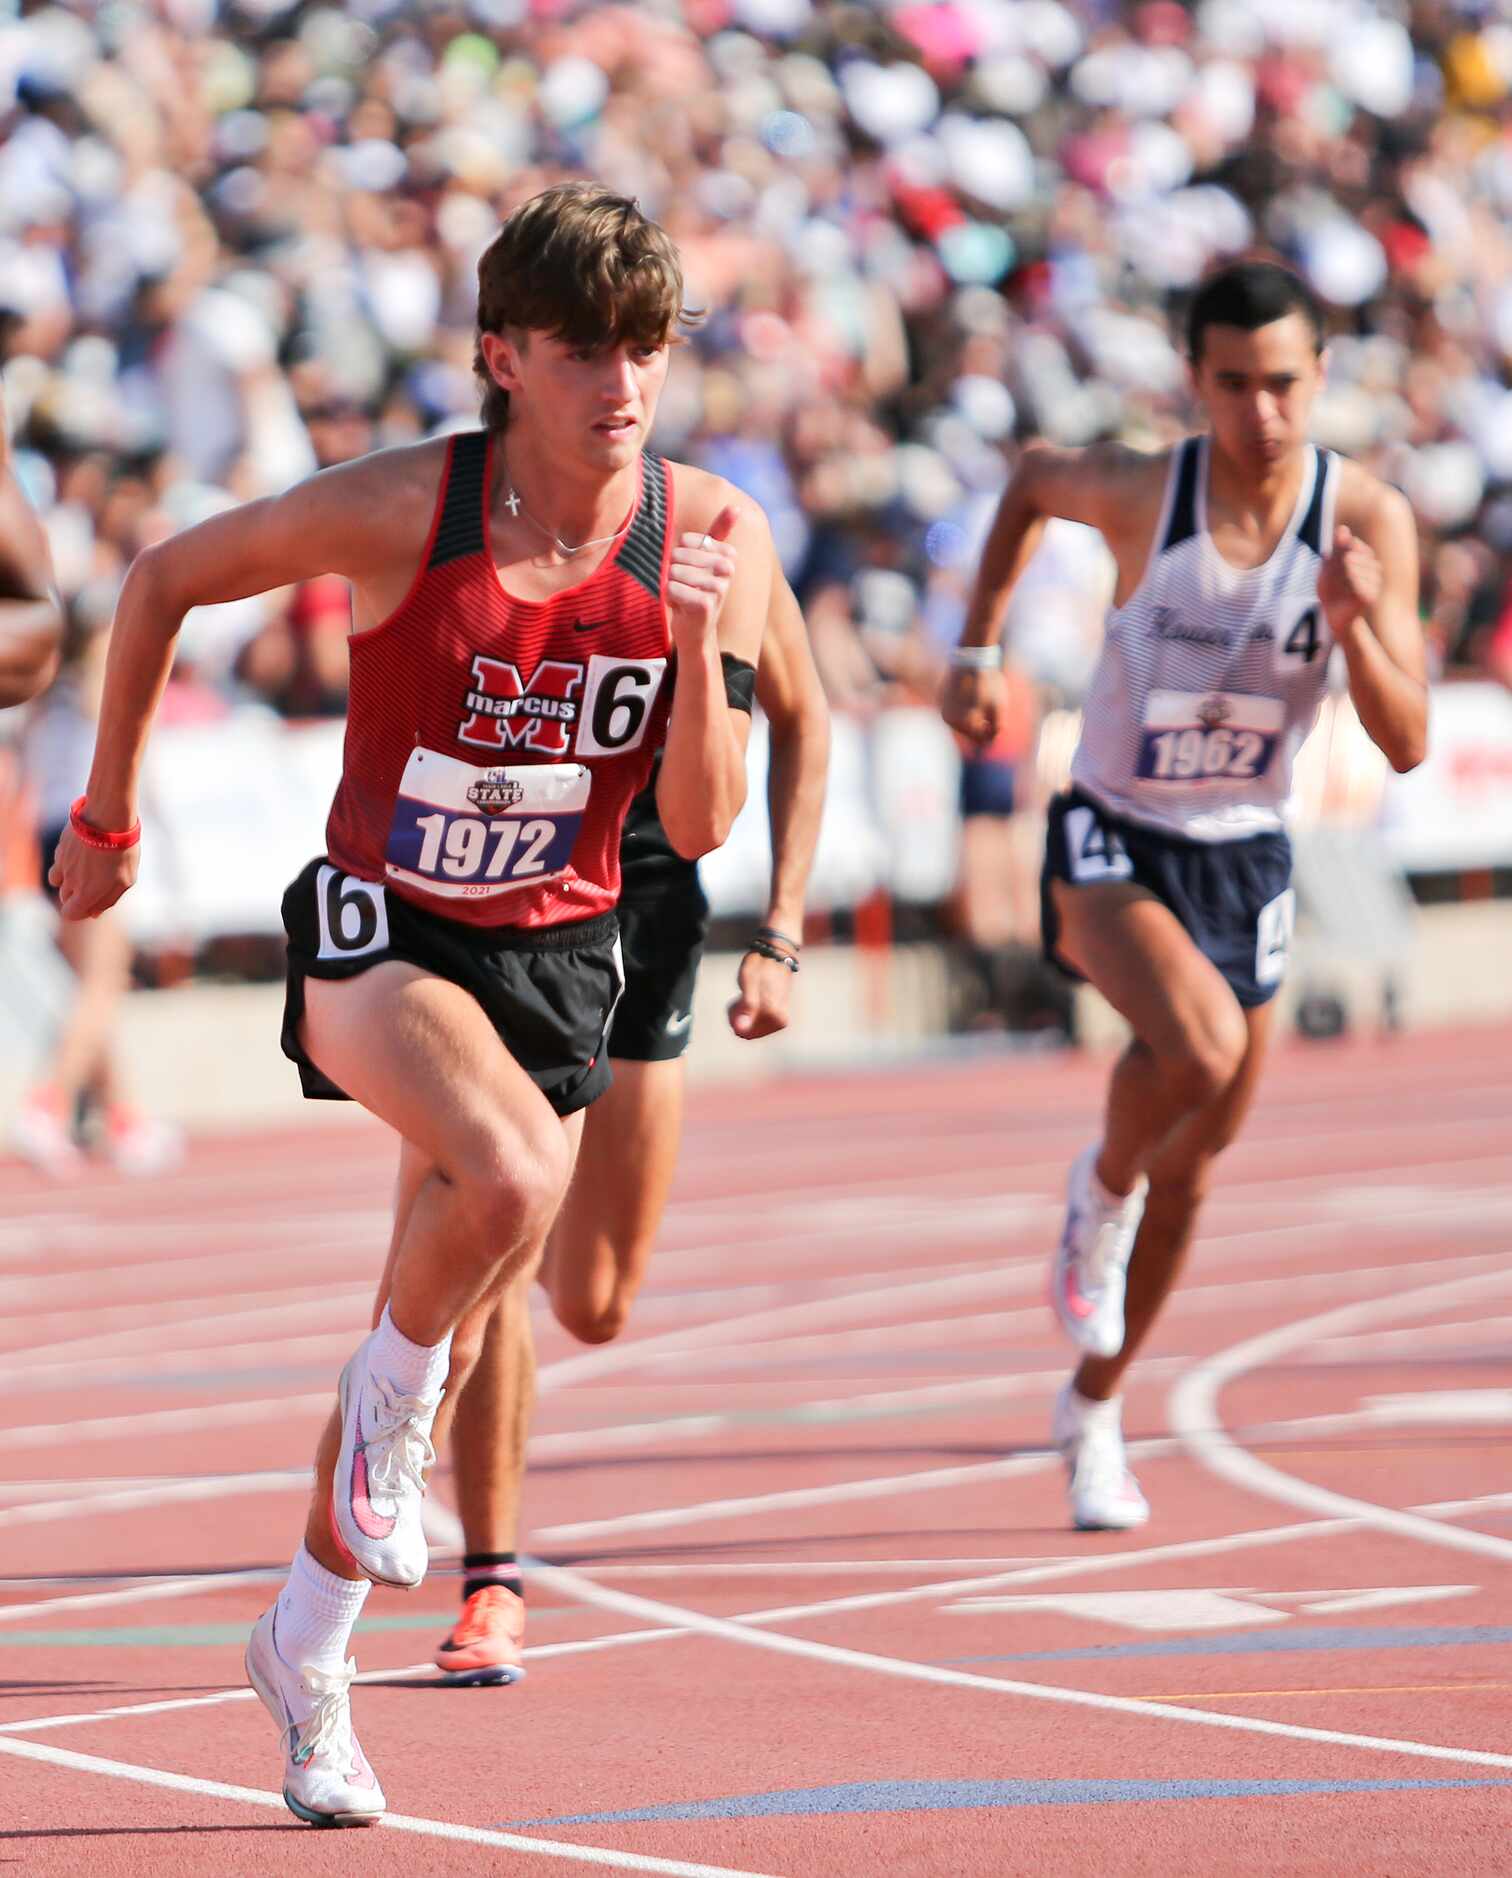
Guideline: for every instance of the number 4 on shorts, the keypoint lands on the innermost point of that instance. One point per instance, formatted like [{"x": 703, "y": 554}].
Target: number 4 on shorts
[{"x": 1093, "y": 850}]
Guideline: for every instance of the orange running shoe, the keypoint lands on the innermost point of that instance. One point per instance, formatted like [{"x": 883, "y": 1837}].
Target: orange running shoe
[{"x": 488, "y": 1644}]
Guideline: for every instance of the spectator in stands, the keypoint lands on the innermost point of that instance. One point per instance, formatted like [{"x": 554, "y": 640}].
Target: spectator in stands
[
  {"x": 237, "y": 241},
  {"x": 81, "y": 1095}
]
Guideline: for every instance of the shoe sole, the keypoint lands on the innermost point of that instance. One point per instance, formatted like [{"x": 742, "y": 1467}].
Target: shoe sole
[
  {"x": 343, "y": 1466},
  {"x": 491, "y": 1676},
  {"x": 312, "y": 1818},
  {"x": 1109, "y": 1525}
]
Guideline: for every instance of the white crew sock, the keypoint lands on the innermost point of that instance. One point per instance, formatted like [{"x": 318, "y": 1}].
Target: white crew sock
[
  {"x": 316, "y": 1612},
  {"x": 1109, "y": 1202},
  {"x": 1095, "y": 1417},
  {"x": 416, "y": 1369}
]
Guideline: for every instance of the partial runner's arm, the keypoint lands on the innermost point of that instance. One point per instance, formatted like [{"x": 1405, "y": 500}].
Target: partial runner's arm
[
  {"x": 354, "y": 520},
  {"x": 717, "y": 604},
  {"x": 1104, "y": 487},
  {"x": 31, "y": 615},
  {"x": 1369, "y": 590},
  {"x": 787, "y": 684}
]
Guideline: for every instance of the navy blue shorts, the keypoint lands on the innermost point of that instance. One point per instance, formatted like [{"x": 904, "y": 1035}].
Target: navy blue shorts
[
  {"x": 1234, "y": 898},
  {"x": 987, "y": 786}
]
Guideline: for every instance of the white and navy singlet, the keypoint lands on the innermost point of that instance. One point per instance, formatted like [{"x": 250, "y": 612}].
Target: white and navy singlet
[{"x": 1211, "y": 675}]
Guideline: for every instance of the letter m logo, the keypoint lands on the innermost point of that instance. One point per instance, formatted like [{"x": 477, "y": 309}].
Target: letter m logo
[{"x": 505, "y": 713}]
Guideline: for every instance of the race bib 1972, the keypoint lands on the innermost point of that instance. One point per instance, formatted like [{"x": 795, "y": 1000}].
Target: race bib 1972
[
  {"x": 1208, "y": 736},
  {"x": 468, "y": 834}
]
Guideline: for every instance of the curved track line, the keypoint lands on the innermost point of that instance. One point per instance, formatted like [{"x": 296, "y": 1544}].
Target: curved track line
[
  {"x": 393, "y": 1822},
  {"x": 1192, "y": 1409},
  {"x": 570, "y": 1584}
]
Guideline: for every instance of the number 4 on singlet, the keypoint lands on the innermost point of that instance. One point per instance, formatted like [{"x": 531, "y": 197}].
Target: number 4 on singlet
[{"x": 1093, "y": 850}]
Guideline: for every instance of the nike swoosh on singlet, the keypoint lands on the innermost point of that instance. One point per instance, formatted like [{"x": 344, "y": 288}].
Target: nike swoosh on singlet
[{"x": 586, "y": 625}]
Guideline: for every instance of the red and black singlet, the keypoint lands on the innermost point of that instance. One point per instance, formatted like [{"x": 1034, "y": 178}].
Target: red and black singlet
[{"x": 493, "y": 744}]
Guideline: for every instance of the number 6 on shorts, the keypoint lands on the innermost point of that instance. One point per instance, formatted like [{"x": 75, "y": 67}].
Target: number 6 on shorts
[{"x": 353, "y": 915}]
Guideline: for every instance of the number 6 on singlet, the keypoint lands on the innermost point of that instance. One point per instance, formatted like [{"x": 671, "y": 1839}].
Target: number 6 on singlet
[
  {"x": 617, "y": 699},
  {"x": 353, "y": 915}
]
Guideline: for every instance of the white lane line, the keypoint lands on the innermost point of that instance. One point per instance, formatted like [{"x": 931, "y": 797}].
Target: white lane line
[
  {"x": 989, "y": 1276},
  {"x": 138, "y": 1594},
  {"x": 391, "y": 1822},
  {"x": 991, "y": 1326},
  {"x": 573, "y": 1584},
  {"x": 1192, "y": 1410},
  {"x": 167, "y": 1421},
  {"x": 350, "y": 1305},
  {"x": 880, "y": 1488},
  {"x": 1018, "y": 1274},
  {"x": 289, "y": 1480},
  {"x": 1196, "y": 1298},
  {"x": 1097, "y": 1564}
]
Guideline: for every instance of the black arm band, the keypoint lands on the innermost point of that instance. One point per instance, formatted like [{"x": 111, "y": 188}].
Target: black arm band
[
  {"x": 778, "y": 938},
  {"x": 740, "y": 682},
  {"x": 763, "y": 950}
]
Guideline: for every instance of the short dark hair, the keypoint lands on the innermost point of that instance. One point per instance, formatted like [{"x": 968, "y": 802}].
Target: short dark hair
[
  {"x": 1249, "y": 295},
  {"x": 583, "y": 264}
]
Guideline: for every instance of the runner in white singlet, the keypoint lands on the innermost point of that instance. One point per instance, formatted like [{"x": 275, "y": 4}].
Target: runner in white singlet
[{"x": 1245, "y": 557}]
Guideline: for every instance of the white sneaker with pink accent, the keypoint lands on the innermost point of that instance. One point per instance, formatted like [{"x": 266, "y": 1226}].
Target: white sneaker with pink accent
[
  {"x": 327, "y": 1780},
  {"x": 1087, "y": 1278},
  {"x": 1105, "y": 1496},
  {"x": 379, "y": 1488}
]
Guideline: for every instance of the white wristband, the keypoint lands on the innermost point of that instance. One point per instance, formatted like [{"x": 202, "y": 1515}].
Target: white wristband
[{"x": 976, "y": 658}]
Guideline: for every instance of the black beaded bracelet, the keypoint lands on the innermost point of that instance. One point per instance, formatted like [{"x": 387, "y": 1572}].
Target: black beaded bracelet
[
  {"x": 778, "y": 938},
  {"x": 763, "y": 950}
]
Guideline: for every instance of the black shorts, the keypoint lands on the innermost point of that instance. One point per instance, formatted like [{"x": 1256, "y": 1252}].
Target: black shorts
[
  {"x": 549, "y": 992},
  {"x": 1234, "y": 898},
  {"x": 664, "y": 921},
  {"x": 47, "y": 848}
]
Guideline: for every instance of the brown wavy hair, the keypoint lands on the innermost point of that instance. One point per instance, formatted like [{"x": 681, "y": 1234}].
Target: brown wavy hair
[{"x": 579, "y": 263}]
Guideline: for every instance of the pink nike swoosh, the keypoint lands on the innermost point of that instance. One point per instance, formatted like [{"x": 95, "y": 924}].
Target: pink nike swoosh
[
  {"x": 1076, "y": 1304},
  {"x": 361, "y": 1775},
  {"x": 375, "y": 1525}
]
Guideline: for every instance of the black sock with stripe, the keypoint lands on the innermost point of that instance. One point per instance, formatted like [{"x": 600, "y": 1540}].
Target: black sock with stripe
[{"x": 480, "y": 1569}]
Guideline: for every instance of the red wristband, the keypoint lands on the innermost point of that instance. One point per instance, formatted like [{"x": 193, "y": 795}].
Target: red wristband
[{"x": 93, "y": 837}]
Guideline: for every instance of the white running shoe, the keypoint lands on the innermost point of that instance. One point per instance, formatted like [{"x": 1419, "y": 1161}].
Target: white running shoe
[
  {"x": 327, "y": 1780},
  {"x": 1087, "y": 1278},
  {"x": 140, "y": 1144},
  {"x": 379, "y": 1487},
  {"x": 40, "y": 1134},
  {"x": 1105, "y": 1496}
]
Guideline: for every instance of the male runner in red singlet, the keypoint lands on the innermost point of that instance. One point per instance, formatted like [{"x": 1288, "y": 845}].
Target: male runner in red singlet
[
  {"x": 601, "y": 1243},
  {"x": 519, "y": 592},
  {"x": 31, "y": 614}
]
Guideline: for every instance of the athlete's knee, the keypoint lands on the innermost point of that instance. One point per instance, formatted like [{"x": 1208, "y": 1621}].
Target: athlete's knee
[
  {"x": 510, "y": 1190},
  {"x": 590, "y": 1323},
  {"x": 1203, "y": 1069}
]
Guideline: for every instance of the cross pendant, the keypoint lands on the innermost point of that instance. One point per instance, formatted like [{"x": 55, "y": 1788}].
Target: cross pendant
[{"x": 512, "y": 503}]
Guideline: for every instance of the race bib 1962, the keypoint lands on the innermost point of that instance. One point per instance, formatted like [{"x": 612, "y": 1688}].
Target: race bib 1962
[
  {"x": 468, "y": 833},
  {"x": 1208, "y": 736}
]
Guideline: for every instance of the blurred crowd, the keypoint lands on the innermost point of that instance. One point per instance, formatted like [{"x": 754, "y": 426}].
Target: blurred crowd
[{"x": 238, "y": 241}]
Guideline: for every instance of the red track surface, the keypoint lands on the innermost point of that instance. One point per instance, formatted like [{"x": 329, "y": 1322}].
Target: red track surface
[{"x": 831, "y": 1407}]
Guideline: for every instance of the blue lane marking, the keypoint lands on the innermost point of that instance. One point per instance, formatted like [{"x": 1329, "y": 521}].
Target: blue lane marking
[
  {"x": 1263, "y": 1643},
  {"x": 926, "y": 1796}
]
